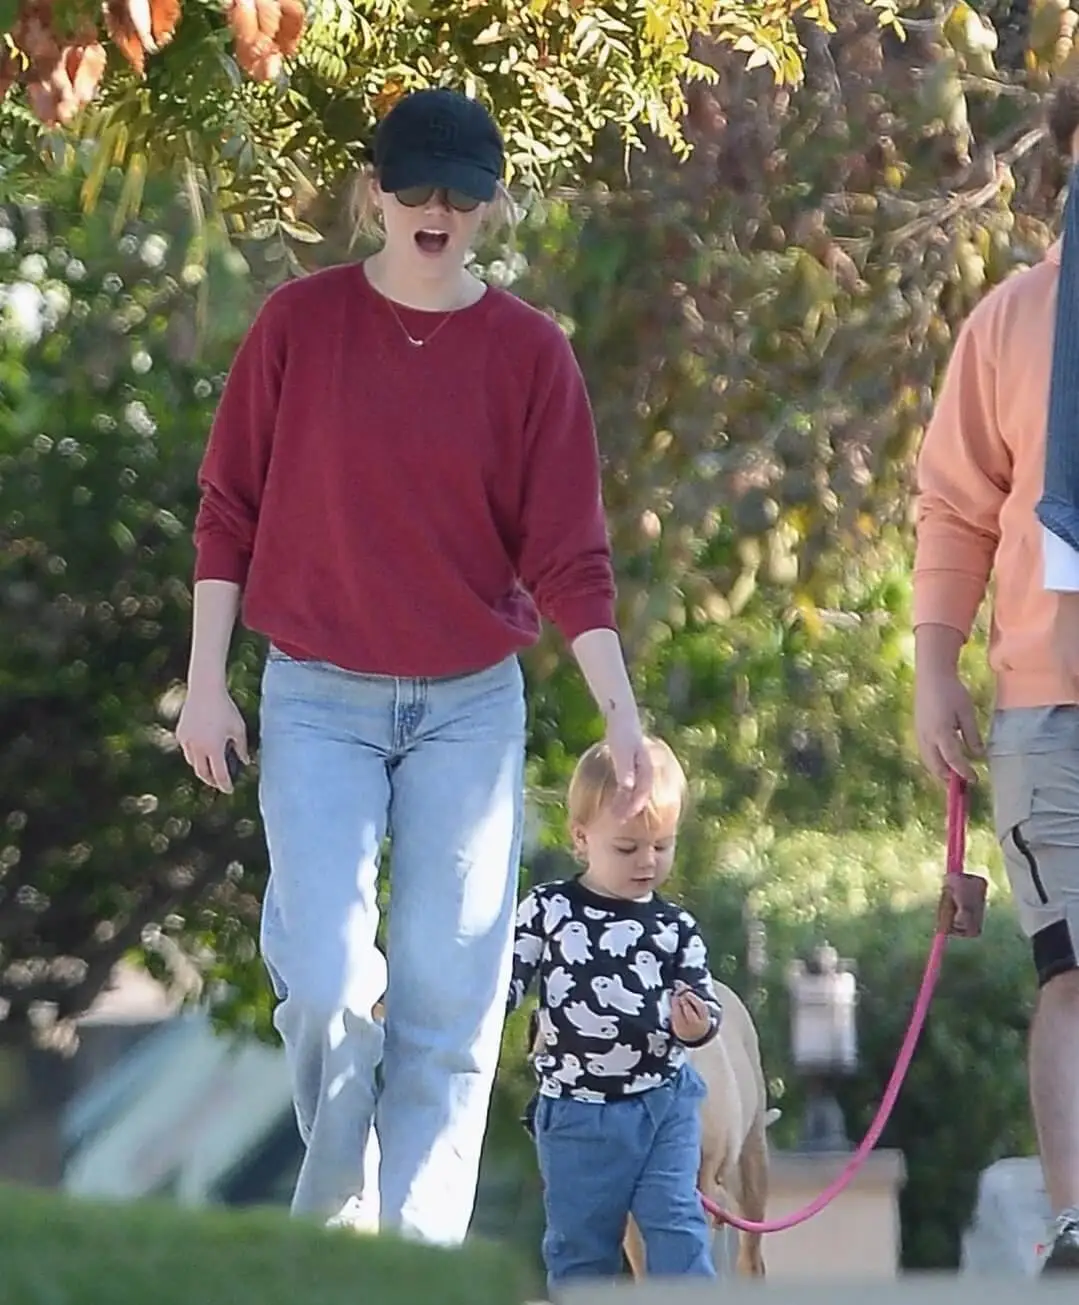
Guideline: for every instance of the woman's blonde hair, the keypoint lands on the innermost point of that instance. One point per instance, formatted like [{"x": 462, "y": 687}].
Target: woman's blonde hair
[
  {"x": 594, "y": 784},
  {"x": 364, "y": 213}
]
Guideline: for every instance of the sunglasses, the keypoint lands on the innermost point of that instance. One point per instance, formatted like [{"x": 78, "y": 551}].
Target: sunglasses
[{"x": 418, "y": 196}]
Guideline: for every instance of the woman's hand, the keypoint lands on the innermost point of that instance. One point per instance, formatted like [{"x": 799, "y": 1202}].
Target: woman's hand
[
  {"x": 632, "y": 765},
  {"x": 209, "y": 721}
]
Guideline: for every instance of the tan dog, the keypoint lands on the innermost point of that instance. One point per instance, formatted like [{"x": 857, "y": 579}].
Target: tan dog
[{"x": 734, "y": 1118}]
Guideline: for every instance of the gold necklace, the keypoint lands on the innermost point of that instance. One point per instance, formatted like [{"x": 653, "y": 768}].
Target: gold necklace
[{"x": 418, "y": 344}]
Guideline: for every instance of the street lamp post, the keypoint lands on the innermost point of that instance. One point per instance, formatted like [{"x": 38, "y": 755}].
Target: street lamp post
[{"x": 824, "y": 1042}]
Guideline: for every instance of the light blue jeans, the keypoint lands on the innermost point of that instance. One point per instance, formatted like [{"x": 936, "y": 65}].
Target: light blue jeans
[
  {"x": 346, "y": 759},
  {"x": 602, "y": 1162}
]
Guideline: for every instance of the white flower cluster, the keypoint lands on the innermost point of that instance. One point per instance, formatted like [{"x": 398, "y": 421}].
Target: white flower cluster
[{"x": 32, "y": 304}]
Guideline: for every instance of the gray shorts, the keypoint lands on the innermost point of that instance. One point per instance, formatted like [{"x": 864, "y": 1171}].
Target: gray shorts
[{"x": 1034, "y": 765}]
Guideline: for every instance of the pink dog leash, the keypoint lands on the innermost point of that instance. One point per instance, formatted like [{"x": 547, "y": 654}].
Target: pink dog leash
[{"x": 959, "y": 914}]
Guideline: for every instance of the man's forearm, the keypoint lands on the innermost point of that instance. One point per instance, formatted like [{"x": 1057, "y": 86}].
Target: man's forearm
[{"x": 937, "y": 647}]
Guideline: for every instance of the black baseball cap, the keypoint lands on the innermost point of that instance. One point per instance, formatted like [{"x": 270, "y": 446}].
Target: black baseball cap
[{"x": 439, "y": 137}]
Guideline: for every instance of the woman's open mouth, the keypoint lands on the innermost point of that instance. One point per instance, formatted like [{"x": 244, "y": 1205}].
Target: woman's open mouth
[{"x": 432, "y": 242}]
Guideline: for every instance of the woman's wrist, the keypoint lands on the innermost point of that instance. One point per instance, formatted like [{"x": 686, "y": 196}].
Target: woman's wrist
[{"x": 599, "y": 655}]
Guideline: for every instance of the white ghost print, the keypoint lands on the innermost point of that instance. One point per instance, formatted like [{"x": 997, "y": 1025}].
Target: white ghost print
[
  {"x": 620, "y": 936},
  {"x": 613, "y": 994},
  {"x": 647, "y": 968},
  {"x": 527, "y": 911},
  {"x": 643, "y": 1082},
  {"x": 573, "y": 943},
  {"x": 555, "y": 910},
  {"x": 569, "y": 1071},
  {"x": 658, "y": 1044},
  {"x": 594, "y": 913},
  {"x": 666, "y": 939},
  {"x": 559, "y": 986},
  {"x": 545, "y": 1026},
  {"x": 528, "y": 948},
  {"x": 588, "y": 1094},
  {"x": 590, "y": 1025},
  {"x": 614, "y": 1063},
  {"x": 663, "y": 1010},
  {"x": 695, "y": 957}
]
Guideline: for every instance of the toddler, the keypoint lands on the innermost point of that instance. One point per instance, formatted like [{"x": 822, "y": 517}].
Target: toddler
[{"x": 624, "y": 988}]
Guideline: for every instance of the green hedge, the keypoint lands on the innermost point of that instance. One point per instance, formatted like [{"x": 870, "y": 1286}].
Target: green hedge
[{"x": 62, "y": 1252}]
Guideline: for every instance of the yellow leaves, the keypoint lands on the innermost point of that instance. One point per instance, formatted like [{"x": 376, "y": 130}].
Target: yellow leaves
[
  {"x": 888, "y": 16},
  {"x": 556, "y": 71},
  {"x": 973, "y": 38},
  {"x": 550, "y": 94},
  {"x": 944, "y": 100},
  {"x": 809, "y": 614},
  {"x": 1049, "y": 41},
  {"x": 816, "y": 11},
  {"x": 969, "y": 265},
  {"x": 658, "y": 21},
  {"x": 817, "y": 289},
  {"x": 763, "y": 31}
]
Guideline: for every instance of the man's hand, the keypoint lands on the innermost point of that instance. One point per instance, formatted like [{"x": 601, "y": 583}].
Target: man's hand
[
  {"x": 1066, "y": 634},
  {"x": 690, "y": 1017},
  {"x": 946, "y": 724},
  {"x": 944, "y": 718}
]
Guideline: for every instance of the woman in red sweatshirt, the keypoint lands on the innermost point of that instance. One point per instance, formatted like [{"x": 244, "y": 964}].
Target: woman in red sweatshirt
[{"x": 401, "y": 478}]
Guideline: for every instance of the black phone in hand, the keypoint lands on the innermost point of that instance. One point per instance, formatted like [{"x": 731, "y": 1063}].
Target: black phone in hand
[{"x": 232, "y": 761}]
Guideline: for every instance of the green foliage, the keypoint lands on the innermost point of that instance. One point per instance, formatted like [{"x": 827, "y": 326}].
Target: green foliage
[
  {"x": 103, "y": 411},
  {"x": 762, "y": 330},
  {"x": 84, "y": 1254},
  {"x": 873, "y": 897},
  {"x": 558, "y": 73}
]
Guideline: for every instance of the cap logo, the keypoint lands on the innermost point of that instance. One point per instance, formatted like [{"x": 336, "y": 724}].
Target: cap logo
[{"x": 441, "y": 131}]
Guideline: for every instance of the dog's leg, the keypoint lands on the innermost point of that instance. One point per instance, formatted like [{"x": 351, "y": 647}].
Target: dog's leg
[
  {"x": 633, "y": 1245},
  {"x": 753, "y": 1173}
]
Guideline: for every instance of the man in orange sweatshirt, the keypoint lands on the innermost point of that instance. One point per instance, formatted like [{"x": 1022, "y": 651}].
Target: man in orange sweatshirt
[{"x": 980, "y": 478}]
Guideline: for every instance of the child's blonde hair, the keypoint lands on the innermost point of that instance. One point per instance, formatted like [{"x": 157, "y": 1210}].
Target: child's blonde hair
[
  {"x": 594, "y": 784},
  {"x": 363, "y": 209}
]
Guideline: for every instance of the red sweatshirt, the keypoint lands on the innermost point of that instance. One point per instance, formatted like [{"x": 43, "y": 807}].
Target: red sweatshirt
[{"x": 404, "y": 511}]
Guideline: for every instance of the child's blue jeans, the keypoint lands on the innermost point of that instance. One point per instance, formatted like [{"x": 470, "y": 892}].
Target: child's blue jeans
[{"x": 603, "y": 1161}]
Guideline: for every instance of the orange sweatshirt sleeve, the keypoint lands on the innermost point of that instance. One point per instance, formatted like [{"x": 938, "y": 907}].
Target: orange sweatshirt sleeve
[{"x": 964, "y": 475}]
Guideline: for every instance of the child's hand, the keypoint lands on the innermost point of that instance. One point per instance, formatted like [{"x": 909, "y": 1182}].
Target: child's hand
[{"x": 690, "y": 1017}]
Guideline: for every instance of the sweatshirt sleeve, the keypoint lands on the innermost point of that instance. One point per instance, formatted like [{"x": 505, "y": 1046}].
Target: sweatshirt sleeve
[
  {"x": 233, "y": 470},
  {"x": 565, "y": 558},
  {"x": 694, "y": 973},
  {"x": 964, "y": 476},
  {"x": 528, "y": 942}
]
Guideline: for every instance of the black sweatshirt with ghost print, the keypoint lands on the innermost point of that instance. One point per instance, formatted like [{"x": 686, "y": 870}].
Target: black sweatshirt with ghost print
[{"x": 607, "y": 970}]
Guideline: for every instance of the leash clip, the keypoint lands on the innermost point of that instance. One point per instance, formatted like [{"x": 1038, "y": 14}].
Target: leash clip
[{"x": 961, "y": 908}]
